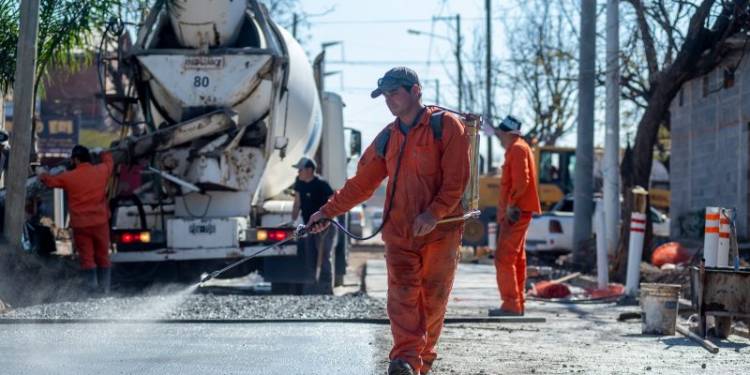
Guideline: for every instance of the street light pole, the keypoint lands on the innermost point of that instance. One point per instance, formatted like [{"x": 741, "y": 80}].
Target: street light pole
[
  {"x": 457, "y": 52},
  {"x": 584, "y": 169},
  {"x": 488, "y": 80},
  {"x": 612, "y": 140}
]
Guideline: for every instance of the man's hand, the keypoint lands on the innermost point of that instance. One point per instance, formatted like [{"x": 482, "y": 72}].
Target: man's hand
[
  {"x": 424, "y": 223},
  {"x": 512, "y": 214},
  {"x": 314, "y": 225}
]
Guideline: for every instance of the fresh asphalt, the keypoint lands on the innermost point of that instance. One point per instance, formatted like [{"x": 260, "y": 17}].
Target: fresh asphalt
[{"x": 164, "y": 348}]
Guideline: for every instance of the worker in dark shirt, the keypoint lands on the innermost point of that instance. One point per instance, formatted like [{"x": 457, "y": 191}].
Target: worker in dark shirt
[{"x": 311, "y": 193}]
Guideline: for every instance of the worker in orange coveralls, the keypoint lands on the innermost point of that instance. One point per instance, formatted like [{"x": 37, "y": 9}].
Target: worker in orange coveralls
[
  {"x": 427, "y": 175},
  {"x": 86, "y": 187},
  {"x": 518, "y": 201}
]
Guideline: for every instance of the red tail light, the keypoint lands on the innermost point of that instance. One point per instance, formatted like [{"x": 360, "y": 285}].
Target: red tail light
[
  {"x": 277, "y": 235},
  {"x": 555, "y": 226},
  {"x": 128, "y": 238}
]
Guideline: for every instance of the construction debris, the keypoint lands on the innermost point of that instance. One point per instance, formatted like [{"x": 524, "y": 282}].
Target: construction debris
[
  {"x": 553, "y": 288},
  {"x": 671, "y": 253},
  {"x": 741, "y": 332},
  {"x": 629, "y": 316},
  {"x": 704, "y": 342}
]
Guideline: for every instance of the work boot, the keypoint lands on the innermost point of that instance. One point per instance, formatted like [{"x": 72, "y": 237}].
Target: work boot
[
  {"x": 400, "y": 367},
  {"x": 90, "y": 283},
  {"x": 501, "y": 312},
  {"x": 105, "y": 279}
]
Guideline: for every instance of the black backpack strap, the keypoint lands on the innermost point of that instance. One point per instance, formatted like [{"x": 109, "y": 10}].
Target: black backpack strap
[
  {"x": 436, "y": 123},
  {"x": 381, "y": 141}
]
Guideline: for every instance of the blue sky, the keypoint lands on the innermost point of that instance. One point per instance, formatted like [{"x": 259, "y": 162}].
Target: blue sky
[{"x": 374, "y": 38}]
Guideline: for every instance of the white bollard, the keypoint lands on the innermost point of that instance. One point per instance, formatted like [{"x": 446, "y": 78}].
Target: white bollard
[
  {"x": 635, "y": 252},
  {"x": 722, "y": 252},
  {"x": 711, "y": 236},
  {"x": 492, "y": 235},
  {"x": 602, "y": 261}
]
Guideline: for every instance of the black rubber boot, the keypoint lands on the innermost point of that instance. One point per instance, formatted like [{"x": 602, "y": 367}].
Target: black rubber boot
[
  {"x": 90, "y": 282},
  {"x": 105, "y": 279},
  {"x": 400, "y": 367}
]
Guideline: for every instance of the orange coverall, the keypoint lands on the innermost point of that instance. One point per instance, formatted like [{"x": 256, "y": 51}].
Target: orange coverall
[
  {"x": 433, "y": 176},
  {"x": 518, "y": 188},
  {"x": 86, "y": 187}
]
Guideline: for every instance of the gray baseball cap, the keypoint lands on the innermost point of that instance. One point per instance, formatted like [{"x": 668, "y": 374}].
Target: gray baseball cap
[
  {"x": 395, "y": 78},
  {"x": 305, "y": 162}
]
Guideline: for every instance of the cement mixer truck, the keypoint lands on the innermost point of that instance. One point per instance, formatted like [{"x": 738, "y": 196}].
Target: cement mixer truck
[{"x": 228, "y": 102}]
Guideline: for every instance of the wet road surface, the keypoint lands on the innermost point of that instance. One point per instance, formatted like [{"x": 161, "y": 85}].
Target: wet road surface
[{"x": 159, "y": 348}]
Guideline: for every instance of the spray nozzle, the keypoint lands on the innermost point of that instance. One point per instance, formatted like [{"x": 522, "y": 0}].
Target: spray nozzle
[
  {"x": 300, "y": 231},
  {"x": 208, "y": 276}
]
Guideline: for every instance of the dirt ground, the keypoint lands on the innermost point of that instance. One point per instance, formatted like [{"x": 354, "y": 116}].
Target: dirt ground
[{"x": 575, "y": 339}]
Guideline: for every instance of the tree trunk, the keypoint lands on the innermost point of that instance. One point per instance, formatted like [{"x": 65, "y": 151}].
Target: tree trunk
[{"x": 636, "y": 167}]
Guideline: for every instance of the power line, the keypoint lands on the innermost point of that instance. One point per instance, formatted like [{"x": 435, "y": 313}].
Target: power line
[
  {"x": 392, "y": 21},
  {"x": 405, "y": 62}
]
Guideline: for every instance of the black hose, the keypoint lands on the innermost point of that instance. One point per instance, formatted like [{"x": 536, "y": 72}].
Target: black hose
[{"x": 300, "y": 232}]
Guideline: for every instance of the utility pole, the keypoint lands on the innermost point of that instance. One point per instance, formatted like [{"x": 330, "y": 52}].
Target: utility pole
[
  {"x": 612, "y": 139},
  {"x": 437, "y": 91},
  {"x": 458, "y": 61},
  {"x": 457, "y": 53},
  {"x": 584, "y": 169},
  {"x": 295, "y": 19},
  {"x": 23, "y": 114},
  {"x": 488, "y": 80}
]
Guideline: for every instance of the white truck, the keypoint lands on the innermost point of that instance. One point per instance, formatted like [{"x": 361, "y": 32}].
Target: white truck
[{"x": 238, "y": 99}]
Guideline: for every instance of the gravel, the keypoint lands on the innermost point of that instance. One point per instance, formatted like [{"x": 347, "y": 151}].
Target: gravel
[{"x": 184, "y": 304}]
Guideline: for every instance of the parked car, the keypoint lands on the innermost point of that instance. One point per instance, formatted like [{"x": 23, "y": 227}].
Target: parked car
[{"x": 553, "y": 231}]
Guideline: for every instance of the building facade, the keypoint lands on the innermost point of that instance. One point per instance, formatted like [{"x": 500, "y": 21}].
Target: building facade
[{"x": 710, "y": 123}]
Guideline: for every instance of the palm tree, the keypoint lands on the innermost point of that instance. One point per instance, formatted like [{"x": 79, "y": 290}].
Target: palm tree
[{"x": 67, "y": 29}]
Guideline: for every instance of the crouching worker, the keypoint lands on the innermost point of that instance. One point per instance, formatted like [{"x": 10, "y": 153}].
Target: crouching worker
[
  {"x": 425, "y": 155},
  {"x": 86, "y": 188}
]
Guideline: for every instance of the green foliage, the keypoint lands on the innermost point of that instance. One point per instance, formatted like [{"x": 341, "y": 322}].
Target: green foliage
[{"x": 67, "y": 31}]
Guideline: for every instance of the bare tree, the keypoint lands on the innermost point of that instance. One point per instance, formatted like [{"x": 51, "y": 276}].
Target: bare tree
[
  {"x": 675, "y": 41},
  {"x": 543, "y": 67}
]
